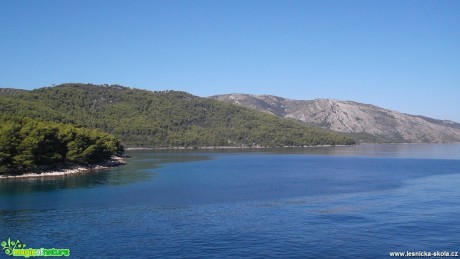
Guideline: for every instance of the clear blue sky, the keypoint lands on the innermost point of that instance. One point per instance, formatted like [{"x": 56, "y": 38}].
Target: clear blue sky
[{"x": 401, "y": 55}]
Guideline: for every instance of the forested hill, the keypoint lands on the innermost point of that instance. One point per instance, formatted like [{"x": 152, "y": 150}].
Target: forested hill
[
  {"x": 27, "y": 145},
  {"x": 141, "y": 118},
  {"x": 10, "y": 91}
]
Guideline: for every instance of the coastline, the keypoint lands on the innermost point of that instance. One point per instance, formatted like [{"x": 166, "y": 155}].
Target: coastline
[
  {"x": 226, "y": 147},
  {"x": 259, "y": 147},
  {"x": 74, "y": 169}
]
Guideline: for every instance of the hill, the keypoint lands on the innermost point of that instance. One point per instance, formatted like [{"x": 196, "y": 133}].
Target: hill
[
  {"x": 10, "y": 91},
  {"x": 28, "y": 145},
  {"x": 141, "y": 118},
  {"x": 367, "y": 123}
]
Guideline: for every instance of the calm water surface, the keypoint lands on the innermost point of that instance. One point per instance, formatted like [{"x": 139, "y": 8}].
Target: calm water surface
[{"x": 336, "y": 202}]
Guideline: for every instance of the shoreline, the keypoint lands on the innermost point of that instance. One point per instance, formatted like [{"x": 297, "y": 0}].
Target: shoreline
[
  {"x": 259, "y": 147},
  {"x": 226, "y": 147},
  {"x": 69, "y": 170}
]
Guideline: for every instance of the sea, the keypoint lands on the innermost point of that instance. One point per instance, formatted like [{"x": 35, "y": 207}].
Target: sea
[{"x": 363, "y": 201}]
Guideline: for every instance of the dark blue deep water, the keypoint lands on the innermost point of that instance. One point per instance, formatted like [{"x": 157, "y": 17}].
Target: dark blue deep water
[{"x": 338, "y": 202}]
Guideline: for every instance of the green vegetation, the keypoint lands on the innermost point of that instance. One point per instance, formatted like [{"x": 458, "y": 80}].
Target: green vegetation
[
  {"x": 141, "y": 118},
  {"x": 364, "y": 137},
  {"x": 27, "y": 144}
]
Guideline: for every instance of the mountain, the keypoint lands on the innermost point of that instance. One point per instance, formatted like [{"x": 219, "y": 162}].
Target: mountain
[
  {"x": 141, "y": 118},
  {"x": 365, "y": 122}
]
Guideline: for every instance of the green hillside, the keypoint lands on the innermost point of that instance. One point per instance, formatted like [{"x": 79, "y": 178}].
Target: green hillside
[{"x": 141, "y": 118}]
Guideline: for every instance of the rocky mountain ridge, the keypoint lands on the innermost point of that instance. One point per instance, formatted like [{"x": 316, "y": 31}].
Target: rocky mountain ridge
[{"x": 367, "y": 123}]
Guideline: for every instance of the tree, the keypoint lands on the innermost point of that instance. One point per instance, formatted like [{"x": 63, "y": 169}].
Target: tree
[{"x": 26, "y": 144}]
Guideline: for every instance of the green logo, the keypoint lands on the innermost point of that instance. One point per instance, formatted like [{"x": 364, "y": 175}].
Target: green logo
[{"x": 17, "y": 248}]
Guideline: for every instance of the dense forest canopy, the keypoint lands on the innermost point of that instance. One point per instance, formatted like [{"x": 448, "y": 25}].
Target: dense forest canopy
[
  {"x": 27, "y": 144},
  {"x": 141, "y": 118}
]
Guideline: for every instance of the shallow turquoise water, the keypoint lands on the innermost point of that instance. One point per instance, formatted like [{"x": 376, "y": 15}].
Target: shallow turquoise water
[{"x": 338, "y": 202}]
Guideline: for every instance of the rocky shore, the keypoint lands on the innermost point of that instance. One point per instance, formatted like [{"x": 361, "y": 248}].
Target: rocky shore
[{"x": 71, "y": 169}]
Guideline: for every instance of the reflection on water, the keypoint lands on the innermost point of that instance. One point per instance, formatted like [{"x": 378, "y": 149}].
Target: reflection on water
[
  {"x": 331, "y": 202},
  {"x": 140, "y": 166},
  {"x": 434, "y": 151},
  {"x": 143, "y": 164}
]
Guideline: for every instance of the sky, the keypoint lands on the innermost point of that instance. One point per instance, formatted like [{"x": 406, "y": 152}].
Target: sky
[{"x": 399, "y": 55}]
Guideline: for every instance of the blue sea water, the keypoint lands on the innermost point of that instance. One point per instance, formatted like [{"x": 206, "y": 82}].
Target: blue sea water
[{"x": 332, "y": 202}]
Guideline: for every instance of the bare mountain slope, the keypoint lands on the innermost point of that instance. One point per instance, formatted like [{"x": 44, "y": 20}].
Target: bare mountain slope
[{"x": 368, "y": 123}]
